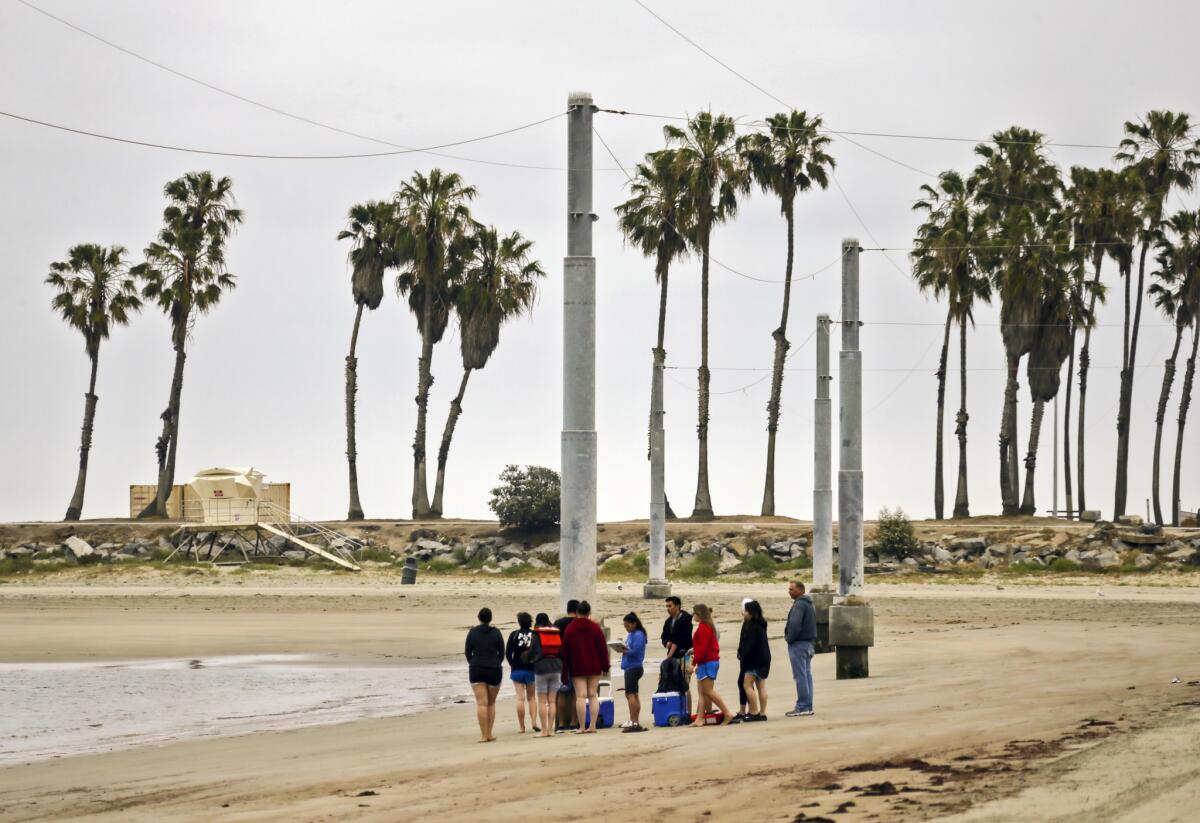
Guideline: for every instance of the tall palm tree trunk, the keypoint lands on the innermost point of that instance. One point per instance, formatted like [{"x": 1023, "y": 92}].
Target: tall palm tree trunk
[
  {"x": 1125, "y": 399},
  {"x": 75, "y": 509},
  {"x": 165, "y": 446},
  {"x": 781, "y": 348},
  {"x": 939, "y": 494},
  {"x": 355, "y": 512},
  {"x": 420, "y": 493},
  {"x": 962, "y": 504},
  {"x": 659, "y": 360},
  {"x": 1070, "y": 498},
  {"x": 1008, "y": 440},
  {"x": 1035, "y": 429},
  {"x": 702, "y": 509},
  {"x": 1185, "y": 400},
  {"x": 444, "y": 449},
  {"x": 1164, "y": 396},
  {"x": 1084, "y": 362}
]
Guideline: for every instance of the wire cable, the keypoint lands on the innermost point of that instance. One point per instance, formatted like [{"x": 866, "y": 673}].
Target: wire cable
[{"x": 249, "y": 155}]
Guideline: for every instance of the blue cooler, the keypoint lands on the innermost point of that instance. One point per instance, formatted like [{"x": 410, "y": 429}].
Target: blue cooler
[
  {"x": 669, "y": 709},
  {"x": 607, "y": 709}
]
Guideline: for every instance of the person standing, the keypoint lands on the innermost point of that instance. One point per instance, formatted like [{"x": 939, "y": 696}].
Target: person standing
[
  {"x": 677, "y": 640},
  {"x": 800, "y": 634},
  {"x": 754, "y": 653},
  {"x": 565, "y": 698},
  {"x": 743, "y": 701},
  {"x": 706, "y": 651},
  {"x": 632, "y": 664},
  {"x": 586, "y": 660},
  {"x": 547, "y": 669},
  {"x": 520, "y": 670},
  {"x": 485, "y": 670}
]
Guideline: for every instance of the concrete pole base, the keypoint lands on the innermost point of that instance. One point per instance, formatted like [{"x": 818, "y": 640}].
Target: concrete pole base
[
  {"x": 656, "y": 590},
  {"x": 852, "y": 662}
]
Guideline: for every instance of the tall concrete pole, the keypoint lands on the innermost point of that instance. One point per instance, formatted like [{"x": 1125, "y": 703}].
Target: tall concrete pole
[
  {"x": 851, "y": 620},
  {"x": 822, "y": 591},
  {"x": 577, "y": 556},
  {"x": 657, "y": 587}
]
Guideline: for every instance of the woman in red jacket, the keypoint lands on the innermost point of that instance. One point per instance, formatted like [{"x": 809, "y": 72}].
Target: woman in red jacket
[
  {"x": 706, "y": 657},
  {"x": 586, "y": 654}
]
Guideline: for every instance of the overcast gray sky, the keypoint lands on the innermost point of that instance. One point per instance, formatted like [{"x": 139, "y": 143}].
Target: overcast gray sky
[{"x": 264, "y": 381}]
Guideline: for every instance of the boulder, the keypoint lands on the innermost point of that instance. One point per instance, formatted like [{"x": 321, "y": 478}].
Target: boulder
[
  {"x": 940, "y": 555},
  {"x": 431, "y": 545},
  {"x": 1090, "y": 515},
  {"x": 1003, "y": 550},
  {"x": 1187, "y": 555},
  {"x": 1108, "y": 559},
  {"x": 422, "y": 534},
  {"x": 1130, "y": 520},
  {"x": 81, "y": 550},
  {"x": 1143, "y": 562},
  {"x": 511, "y": 551},
  {"x": 970, "y": 544},
  {"x": 728, "y": 560},
  {"x": 1072, "y": 555},
  {"x": 295, "y": 554},
  {"x": 534, "y": 563},
  {"x": 20, "y": 552},
  {"x": 509, "y": 562},
  {"x": 547, "y": 552},
  {"x": 491, "y": 570}
]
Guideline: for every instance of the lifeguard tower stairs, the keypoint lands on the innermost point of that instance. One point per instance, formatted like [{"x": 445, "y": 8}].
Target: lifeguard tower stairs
[{"x": 232, "y": 523}]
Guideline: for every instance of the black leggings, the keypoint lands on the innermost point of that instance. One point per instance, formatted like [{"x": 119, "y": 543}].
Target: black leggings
[{"x": 742, "y": 699}]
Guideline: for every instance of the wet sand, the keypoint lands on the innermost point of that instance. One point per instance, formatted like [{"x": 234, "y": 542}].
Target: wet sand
[{"x": 1027, "y": 702}]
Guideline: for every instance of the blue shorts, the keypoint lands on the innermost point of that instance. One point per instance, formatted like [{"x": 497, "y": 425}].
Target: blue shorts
[
  {"x": 708, "y": 671},
  {"x": 521, "y": 676}
]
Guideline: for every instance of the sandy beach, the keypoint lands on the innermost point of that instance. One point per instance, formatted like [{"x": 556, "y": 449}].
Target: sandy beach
[{"x": 984, "y": 703}]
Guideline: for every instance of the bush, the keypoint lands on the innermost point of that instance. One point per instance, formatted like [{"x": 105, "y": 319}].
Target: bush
[
  {"x": 703, "y": 566},
  {"x": 641, "y": 561},
  {"x": 441, "y": 565},
  {"x": 376, "y": 554},
  {"x": 1062, "y": 564},
  {"x": 527, "y": 499},
  {"x": 895, "y": 534},
  {"x": 760, "y": 563}
]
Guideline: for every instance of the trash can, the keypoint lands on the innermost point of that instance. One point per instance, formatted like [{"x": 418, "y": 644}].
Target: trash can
[{"x": 409, "y": 575}]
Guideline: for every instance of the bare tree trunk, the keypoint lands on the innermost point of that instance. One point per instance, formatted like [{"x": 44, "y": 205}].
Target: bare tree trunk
[
  {"x": 1067, "y": 428},
  {"x": 939, "y": 494},
  {"x": 444, "y": 450},
  {"x": 355, "y": 512},
  {"x": 1163, "y": 397},
  {"x": 420, "y": 493},
  {"x": 1125, "y": 400},
  {"x": 702, "y": 509},
  {"x": 1084, "y": 362},
  {"x": 1008, "y": 480},
  {"x": 164, "y": 446},
  {"x": 1035, "y": 429},
  {"x": 75, "y": 509},
  {"x": 1185, "y": 400},
  {"x": 962, "y": 504},
  {"x": 781, "y": 348}
]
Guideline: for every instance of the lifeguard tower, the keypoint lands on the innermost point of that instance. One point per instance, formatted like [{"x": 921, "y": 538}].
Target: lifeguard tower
[{"x": 229, "y": 512}]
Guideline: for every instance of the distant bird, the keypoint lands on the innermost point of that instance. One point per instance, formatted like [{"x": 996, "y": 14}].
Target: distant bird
[
  {"x": 1099, "y": 593},
  {"x": 620, "y": 585}
]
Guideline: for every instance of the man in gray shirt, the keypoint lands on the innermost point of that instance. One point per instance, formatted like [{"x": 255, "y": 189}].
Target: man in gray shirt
[{"x": 800, "y": 634}]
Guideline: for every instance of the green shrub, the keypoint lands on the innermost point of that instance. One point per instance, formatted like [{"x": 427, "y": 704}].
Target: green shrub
[
  {"x": 1028, "y": 568},
  {"x": 895, "y": 534},
  {"x": 16, "y": 565},
  {"x": 1062, "y": 564},
  {"x": 621, "y": 569},
  {"x": 459, "y": 554},
  {"x": 441, "y": 565},
  {"x": 701, "y": 567},
  {"x": 759, "y": 563},
  {"x": 376, "y": 554},
  {"x": 526, "y": 499},
  {"x": 517, "y": 570},
  {"x": 641, "y": 561},
  {"x": 801, "y": 562}
]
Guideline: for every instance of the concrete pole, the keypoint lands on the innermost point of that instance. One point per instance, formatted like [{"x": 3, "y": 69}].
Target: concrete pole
[
  {"x": 851, "y": 619},
  {"x": 822, "y": 590},
  {"x": 1054, "y": 467},
  {"x": 657, "y": 587},
  {"x": 577, "y": 555}
]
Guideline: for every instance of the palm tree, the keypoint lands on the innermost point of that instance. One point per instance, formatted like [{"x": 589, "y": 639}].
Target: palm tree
[
  {"x": 94, "y": 293},
  {"x": 499, "y": 283},
  {"x": 713, "y": 176},
  {"x": 1177, "y": 295},
  {"x": 1185, "y": 399},
  {"x": 370, "y": 226},
  {"x": 185, "y": 275},
  {"x": 1016, "y": 186},
  {"x": 1095, "y": 200},
  {"x": 433, "y": 223},
  {"x": 1165, "y": 153},
  {"x": 653, "y": 221},
  {"x": 790, "y": 158},
  {"x": 944, "y": 261}
]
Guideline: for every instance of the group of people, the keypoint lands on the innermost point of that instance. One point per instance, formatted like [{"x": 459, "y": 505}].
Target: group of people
[{"x": 556, "y": 667}]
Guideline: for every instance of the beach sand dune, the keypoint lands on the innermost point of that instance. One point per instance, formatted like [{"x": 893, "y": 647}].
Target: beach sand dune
[{"x": 1032, "y": 702}]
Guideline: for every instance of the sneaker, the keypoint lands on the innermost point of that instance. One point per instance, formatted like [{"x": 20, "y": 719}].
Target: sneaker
[
  {"x": 800, "y": 713},
  {"x": 755, "y": 718}
]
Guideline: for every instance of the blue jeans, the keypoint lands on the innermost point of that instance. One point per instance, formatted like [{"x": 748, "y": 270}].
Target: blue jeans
[{"x": 800, "y": 654}]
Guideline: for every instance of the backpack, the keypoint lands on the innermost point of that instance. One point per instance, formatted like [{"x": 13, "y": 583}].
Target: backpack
[{"x": 551, "y": 640}]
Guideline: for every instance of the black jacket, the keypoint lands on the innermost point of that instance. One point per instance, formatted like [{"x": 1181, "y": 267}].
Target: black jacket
[
  {"x": 519, "y": 642},
  {"x": 485, "y": 647},
  {"x": 680, "y": 634},
  {"x": 754, "y": 650}
]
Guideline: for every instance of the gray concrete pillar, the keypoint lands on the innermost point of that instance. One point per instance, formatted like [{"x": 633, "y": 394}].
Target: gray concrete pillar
[
  {"x": 657, "y": 586},
  {"x": 851, "y": 618},
  {"x": 823, "y": 465},
  {"x": 577, "y": 557}
]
